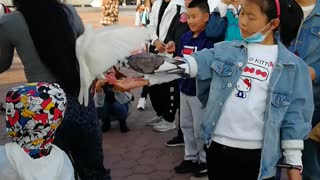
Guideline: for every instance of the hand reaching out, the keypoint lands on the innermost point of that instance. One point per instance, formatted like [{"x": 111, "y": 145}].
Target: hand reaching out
[
  {"x": 160, "y": 46},
  {"x": 171, "y": 47},
  {"x": 110, "y": 79},
  {"x": 130, "y": 83}
]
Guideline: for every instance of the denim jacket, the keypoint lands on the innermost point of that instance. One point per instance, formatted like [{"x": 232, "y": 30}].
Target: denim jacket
[
  {"x": 289, "y": 104},
  {"x": 307, "y": 46}
]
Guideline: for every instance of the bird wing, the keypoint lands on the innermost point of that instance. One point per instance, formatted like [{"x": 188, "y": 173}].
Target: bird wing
[{"x": 99, "y": 50}]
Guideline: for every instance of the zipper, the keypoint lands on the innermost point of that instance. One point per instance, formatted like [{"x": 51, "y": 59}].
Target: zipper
[{"x": 298, "y": 35}]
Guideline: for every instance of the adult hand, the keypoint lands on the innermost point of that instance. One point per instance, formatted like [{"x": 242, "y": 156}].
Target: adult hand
[
  {"x": 171, "y": 47},
  {"x": 294, "y": 174},
  {"x": 159, "y": 46},
  {"x": 127, "y": 84}
]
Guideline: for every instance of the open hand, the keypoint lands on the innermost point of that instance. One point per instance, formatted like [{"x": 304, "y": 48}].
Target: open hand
[{"x": 127, "y": 84}]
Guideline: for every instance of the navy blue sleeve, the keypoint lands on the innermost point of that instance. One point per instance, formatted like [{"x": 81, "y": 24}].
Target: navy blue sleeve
[
  {"x": 216, "y": 27},
  {"x": 180, "y": 45},
  {"x": 209, "y": 44}
]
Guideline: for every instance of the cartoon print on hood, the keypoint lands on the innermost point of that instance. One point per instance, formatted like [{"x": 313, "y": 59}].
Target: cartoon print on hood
[{"x": 33, "y": 113}]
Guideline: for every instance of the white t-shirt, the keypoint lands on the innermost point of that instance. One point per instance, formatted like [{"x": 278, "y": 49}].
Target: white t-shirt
[
  {"x": 15, "y": 164},
  {"x": 307, "y": 10},
  {"x": 241, "y": 123}
]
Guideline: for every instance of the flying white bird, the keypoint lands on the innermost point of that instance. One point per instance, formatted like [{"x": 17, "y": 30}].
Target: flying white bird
[{"x": 98, "y": 50}]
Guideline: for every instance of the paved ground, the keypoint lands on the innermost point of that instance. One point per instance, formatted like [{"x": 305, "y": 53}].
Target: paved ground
[{"x": 140, "y": 154}]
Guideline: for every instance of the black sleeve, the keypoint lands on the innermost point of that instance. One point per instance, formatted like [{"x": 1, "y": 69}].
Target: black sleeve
[
  {"x": 181, "y": 29},
  {"x": 176, "y": 29},
  {"x": 6, "y": 49}
]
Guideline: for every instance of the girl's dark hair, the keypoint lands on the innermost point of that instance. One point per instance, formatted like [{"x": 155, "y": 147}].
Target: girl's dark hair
[
  {"x": 201, "y": 4},
  {"x": 291, "y": 16},
  {"x": 54, "y": 39}
]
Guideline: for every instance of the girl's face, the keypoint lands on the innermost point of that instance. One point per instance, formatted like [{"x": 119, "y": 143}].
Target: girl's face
[{"x": 252, "y": 20}]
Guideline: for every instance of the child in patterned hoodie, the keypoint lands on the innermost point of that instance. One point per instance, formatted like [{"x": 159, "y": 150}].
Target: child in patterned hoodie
[{"x": 33, "y": 113}]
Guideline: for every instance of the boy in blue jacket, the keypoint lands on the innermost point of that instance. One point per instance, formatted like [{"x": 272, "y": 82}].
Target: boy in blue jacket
[{"x": 190, "y": 106}]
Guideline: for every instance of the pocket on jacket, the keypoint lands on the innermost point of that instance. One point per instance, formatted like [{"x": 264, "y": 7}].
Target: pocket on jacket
[
  {"x": 223, "y": 68},
  {"x": 280, "y": 99},
  {"x": 316, "y": 31}
]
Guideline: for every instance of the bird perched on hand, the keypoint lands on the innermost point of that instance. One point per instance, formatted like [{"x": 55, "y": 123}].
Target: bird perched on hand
[{"x": 98, "y": 50}]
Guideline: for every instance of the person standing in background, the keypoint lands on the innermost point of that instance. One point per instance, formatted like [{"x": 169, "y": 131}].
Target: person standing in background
[
  {"x": 110, "y": 12},
  {"x": 307, "y": 46}
]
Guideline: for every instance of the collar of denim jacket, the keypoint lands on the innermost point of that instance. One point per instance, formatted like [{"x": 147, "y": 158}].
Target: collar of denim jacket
[
  {"x": 317, "y": 8},
  {"x": 283, "y": 52}
]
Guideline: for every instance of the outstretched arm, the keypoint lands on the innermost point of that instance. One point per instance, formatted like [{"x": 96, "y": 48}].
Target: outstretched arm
[{"x": 198, "y": 65}]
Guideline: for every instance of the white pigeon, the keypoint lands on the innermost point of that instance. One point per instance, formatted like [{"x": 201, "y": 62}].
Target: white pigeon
[{"x": 98, "y": 50}]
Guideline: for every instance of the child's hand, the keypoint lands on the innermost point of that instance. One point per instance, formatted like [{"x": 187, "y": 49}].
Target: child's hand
[
  {"x": 171, "y": 47},
  {"x": 159, "y": 46},
  {"x": 294, "y": 174},
  {"x": 111, "y": 79},
  {"x": 99, "y": 84}
]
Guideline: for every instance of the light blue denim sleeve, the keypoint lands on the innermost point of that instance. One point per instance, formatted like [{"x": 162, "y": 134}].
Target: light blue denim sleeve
[
  {"x": 204, "y": 60},
  {"x": 297, "y": 121}
]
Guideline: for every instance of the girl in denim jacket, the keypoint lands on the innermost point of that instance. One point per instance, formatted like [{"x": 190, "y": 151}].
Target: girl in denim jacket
[{"x": 260, "y": 103}]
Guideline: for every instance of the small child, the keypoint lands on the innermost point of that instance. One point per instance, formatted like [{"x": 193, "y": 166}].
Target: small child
[
  {"x": 111, "y": 104},
  {"x": 33, "y": 114},
  {"x": 190, "y": 106}
]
